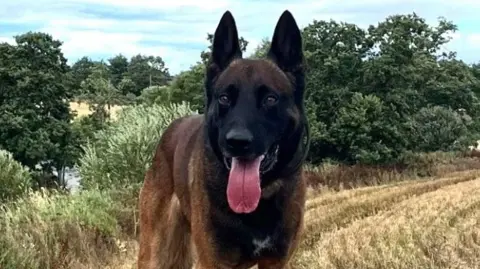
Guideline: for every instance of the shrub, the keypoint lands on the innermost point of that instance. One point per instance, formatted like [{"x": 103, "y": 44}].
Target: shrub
[
  {"x": 362, "y": 134},
  {"x": 436, "y": 128},
  {"x": 120, "y": 154},
  {"x": 15, "y": 179},
  {"x": 155, "y": 95}
]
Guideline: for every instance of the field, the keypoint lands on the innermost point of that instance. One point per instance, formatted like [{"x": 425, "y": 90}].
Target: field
[
  {"x": 83, "y": 110},
  {"x": 428, "y": 223}
]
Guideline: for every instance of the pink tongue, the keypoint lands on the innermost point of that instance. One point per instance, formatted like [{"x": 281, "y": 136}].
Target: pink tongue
[{"x": 243, "y": 189}]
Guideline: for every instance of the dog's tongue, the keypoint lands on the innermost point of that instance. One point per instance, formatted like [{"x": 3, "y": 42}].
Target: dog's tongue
[{"x": 243, "y": 189}]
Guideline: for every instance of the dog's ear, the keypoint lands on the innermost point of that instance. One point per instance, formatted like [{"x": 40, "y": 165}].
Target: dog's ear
[
  {"x": 226, "y": 46},
  {"x": 286, "y": 47}
]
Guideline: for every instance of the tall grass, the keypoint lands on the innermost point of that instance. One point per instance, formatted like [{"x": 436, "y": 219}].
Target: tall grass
[
  {"x": 119, "y": 155},
  {"x": 54, "y": 230}
]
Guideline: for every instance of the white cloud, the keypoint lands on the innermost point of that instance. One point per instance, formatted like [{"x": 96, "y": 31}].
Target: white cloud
[
  {"x": 8, "y": 40},
  {"x": 176, "y": 30},
  {"x": 474, "y": 40}
]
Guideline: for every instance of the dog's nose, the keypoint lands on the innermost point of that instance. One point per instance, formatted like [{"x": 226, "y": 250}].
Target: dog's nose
[{"x": 239, "y": 140}]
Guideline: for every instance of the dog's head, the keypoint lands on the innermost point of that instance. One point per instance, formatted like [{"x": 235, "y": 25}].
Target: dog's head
[{"x": 254, "y": 107}]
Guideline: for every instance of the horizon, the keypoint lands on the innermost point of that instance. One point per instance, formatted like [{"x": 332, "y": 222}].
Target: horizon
[{"x": 177, "y": 31}]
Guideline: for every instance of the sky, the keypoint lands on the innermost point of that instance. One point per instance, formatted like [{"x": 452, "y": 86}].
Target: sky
[{"x": 176, "y": 30}]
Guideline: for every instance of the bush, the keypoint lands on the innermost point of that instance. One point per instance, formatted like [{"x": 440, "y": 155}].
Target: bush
[
  {"x": 15, "y": 179},
  {"x": 361, "y": 133},
  {"x": 119, "y": 155},
  {"x": 155, "y": 95},
  {"x": 436, "y": 128}
]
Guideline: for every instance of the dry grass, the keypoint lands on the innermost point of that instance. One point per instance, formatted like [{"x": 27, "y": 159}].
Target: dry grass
[
  {"x": 415, "y": 224},
  {"x": 340, "y": 177},
  {"x": 428, "y": 223},
  {"x": 82, "y": 109}
]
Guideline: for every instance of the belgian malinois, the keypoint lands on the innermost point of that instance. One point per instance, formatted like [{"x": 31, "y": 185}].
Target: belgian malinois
[{"x": 226, "y": 189}]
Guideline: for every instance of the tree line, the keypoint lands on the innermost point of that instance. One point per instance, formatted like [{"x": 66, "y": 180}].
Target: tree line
[{"x": 373, "y": 95}]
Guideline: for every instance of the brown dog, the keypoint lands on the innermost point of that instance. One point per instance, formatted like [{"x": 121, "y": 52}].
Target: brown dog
[{"x": 226, "y": 189}]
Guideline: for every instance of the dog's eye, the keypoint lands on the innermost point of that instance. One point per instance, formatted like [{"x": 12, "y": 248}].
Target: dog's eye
[
  {"x": 223, "y": 100},
  {"x": 270, "y": 100}
]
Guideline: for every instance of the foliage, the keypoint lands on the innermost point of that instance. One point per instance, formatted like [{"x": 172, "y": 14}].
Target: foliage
[
  {"x": 146, "y": 71},
  {"x": 120, "y": 154},
  {"x": 155, "y": 95},
  {"x": 368, "y": 90},
  {"x": 34, "y": 122},
  {"x": 436, "y": 128},
  {"x": 99, "y": 92},
  {"x": 15, "y": 179},
  {"x": 188, "y": 86},
  {"x": 118, "y": 67}
]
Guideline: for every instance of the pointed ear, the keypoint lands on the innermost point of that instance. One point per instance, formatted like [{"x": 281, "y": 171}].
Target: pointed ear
[
  {"x": 286, "y": 48},
  {"x": 226, "y": 46}
]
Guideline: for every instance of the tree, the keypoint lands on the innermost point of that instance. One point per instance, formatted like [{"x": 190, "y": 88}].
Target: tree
[
  {"x": 99, "y": 92},
  {"x": 80, "y": 70},
  {"x": 394, "y": 67},
  {"x": 118, "y": 67},
  {"x": 34, "y": 123},
  {"x": 147, "y": 71}
]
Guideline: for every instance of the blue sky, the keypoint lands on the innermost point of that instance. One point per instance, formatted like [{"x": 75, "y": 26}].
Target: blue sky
[{"x": 176, "y": 30}]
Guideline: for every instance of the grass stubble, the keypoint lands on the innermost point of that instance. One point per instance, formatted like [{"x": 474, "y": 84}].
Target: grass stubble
[{"x": 427, "y": 224}]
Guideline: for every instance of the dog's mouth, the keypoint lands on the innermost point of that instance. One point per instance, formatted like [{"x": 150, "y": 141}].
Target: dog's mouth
[
  {"x": 266, "y": 165},
  {"x": 243, "y": 188}
]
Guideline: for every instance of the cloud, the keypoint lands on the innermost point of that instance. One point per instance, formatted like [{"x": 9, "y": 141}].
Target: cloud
[
  {"x": 474, "y": 40},
  {"x": 176, "y": 30}
]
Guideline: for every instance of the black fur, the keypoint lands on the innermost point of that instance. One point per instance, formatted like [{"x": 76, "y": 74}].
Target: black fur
[{"x": 249, "y": 111}]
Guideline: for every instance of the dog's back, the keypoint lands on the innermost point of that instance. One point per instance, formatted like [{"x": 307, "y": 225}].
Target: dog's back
[{"x": 165, "y": 200}]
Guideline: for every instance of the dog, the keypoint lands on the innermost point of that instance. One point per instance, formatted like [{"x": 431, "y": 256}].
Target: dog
[{"x": 226, "y": 188}]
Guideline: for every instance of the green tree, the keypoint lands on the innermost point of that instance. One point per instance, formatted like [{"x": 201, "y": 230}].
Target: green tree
[
  {"x": 34, "y": 122},
  {"x": 99, "y": 92},
  {"x": 126, "y": 86},
  {"x": 397, "y": 63},
  {"x": 188, "y": 86},
  {"x": 145, "y": 71},
  {"x": 118, "y": 67},
  {"x": 80, "y": 70}
]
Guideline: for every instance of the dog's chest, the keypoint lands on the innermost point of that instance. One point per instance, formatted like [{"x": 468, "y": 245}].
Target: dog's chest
[
  {"x": 261, "y": 245},
  {"x": 253, "y": 237}
]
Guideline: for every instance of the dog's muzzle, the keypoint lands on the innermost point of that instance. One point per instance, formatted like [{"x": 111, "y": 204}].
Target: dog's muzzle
[{"x": 267, "y": 163}]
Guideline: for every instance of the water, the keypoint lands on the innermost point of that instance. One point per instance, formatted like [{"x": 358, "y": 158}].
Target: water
[{"x": 72, "y": 178}]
